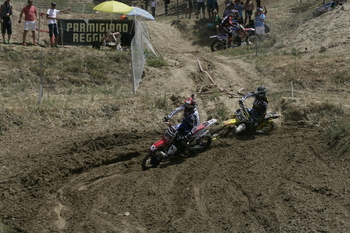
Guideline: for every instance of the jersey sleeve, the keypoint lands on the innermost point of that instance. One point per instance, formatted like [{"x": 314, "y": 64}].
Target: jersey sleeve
[
  {"x": 250, "y": 94},
  {"x": 176, "y": 111},
  {"x": 195, "y": 120}
]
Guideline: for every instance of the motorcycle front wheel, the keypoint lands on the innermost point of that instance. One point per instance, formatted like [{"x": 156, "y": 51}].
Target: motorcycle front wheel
[
  {"x": 217, "y": 45},
  {"x": 254, "y": 38},
  {"x": 221, "y": 132},
  {"x": 151, "y": 160}
]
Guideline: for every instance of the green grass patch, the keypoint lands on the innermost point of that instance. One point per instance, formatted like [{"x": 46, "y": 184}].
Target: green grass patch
[
  {"x": 156, "y": 61},
  {"x": 339, "y": 135}
]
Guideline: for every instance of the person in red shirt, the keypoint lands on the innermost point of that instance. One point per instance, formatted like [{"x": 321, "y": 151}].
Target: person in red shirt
[{"x": 30, "y": 16}]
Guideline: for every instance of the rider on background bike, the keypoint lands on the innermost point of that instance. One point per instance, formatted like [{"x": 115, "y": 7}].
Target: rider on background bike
[
  {"x": 258, "y": 111},
  {"x": 228, "y": 22},
  {"x": 188, "y": 125}
]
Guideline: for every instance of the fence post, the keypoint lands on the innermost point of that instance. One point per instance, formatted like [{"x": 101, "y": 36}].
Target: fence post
[{"x": 41, "y": 90}]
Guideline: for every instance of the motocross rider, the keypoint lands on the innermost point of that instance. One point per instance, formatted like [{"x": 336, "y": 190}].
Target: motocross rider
[
  {"x": 228, "y": 22},
  {"x": 258, "y": 111},
  {"x": 188, "y": 125}
]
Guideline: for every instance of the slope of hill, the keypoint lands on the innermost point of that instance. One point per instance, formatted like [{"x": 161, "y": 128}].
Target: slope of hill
[{"x": 79, "y": 168}]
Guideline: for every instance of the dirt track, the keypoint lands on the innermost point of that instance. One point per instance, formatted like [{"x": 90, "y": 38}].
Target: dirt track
[
  {"x": 289, "y": 181},
  {"x": 69, "y": 180}
]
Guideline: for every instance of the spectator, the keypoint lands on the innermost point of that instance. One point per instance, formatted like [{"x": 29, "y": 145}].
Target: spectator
[
  {"x": 217, "y": 21},
  {"x": 239, "y": 8},
  {"x": 153, "y": 5},
  {"x": 189, "y": 8},
  {"x": 30, "y": 16},
  {"x": 248, "y": 10},
  {"x": 260, "y": 17},
  {"x": 124, "y": 17},
  {"x": 110, "y": 38},
  {"x": 166, "y": 5},
  {"x": 258, "y": 3},
  {"x": 5, "y": 13},
  {"x": 146, "y": 4},
  {"x": 51, "y": 16},
  {"x": 200, "y": 7},
  {"x": 210, "y": 8},
  {"x": 216, "y": 5}
]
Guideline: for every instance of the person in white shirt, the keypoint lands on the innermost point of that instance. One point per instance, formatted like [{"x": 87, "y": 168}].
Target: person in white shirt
[
  {"x": 51, "y": 16},
  {"x": 153, "y": 5}
]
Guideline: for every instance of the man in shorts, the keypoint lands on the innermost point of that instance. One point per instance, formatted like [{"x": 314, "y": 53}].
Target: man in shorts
[
  {"x": 248, "y": 9},
  {"x": 30, "y": 15},
  {"x": 200, "y": 7},
  {"x": 189, "y": 8},
  {"x": 210, "y": 8},
  {"x": 51, "y": 16}
]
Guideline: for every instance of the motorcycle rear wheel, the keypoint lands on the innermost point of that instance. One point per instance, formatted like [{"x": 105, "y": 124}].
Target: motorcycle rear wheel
[
  {"x": 200, "y": 145},
  {"x": 221, "y": 132},
  {"x": 151, "y": 160},
  {"x": 217, "y": 45}
]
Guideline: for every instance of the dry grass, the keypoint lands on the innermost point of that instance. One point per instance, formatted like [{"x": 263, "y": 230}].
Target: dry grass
[
  {"x": 87, "y": 86},
  {"x": 324, "y": 73}
]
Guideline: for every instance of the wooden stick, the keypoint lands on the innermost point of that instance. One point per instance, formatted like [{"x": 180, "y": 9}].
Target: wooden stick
[{"x": 230, "y": 94}]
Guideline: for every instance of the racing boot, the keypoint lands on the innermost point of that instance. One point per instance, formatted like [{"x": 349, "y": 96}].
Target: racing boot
[
  {"x": 240, "y": 128},
  {"x": 172, "y": 150}
]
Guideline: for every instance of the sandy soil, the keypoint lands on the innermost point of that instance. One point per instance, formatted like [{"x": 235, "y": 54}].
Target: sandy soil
[{"x": 90, "y": 180}]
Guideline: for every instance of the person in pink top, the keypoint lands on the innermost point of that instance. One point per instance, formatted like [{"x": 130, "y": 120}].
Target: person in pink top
[
  {"x": 30, "y": 16},
  {"x": 248, "y": 9}
]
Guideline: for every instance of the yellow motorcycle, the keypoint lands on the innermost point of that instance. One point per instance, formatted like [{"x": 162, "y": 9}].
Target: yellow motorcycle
[{"x": 240, "y": 118}]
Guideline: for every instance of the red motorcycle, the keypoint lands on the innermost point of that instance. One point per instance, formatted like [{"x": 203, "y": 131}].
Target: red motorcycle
[
  {"x": 239, "y": 34},
  {"x": 198, "y": 142}
]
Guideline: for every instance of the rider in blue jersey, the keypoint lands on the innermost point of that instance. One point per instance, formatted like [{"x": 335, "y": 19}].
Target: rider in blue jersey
[{"x": 188, "y": 125}]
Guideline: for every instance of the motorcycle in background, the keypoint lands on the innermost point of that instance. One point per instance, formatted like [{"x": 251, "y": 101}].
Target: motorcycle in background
[
  {"x": 198, "y": 142},
  {"x": 241, "y": 34}
]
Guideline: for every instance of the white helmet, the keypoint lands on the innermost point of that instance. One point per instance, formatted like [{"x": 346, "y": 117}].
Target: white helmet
[{"x": 233, "y": 13}]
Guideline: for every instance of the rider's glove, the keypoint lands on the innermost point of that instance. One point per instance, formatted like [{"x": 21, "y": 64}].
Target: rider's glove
[
  {"x": 166, "y": 119},
  {"x": 183, "y": 137},
  {"x": 240, "y": 103}
]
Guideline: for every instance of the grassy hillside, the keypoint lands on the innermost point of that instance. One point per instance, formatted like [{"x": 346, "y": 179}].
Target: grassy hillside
[{"x": 87, "y": 86}]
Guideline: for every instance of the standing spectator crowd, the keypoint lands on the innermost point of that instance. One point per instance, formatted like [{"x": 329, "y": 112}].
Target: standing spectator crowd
[{"x": 30, "y": 13}]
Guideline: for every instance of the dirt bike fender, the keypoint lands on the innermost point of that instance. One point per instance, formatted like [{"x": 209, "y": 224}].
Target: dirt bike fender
[
  {"x": 230, "y": 122},
  {"x": 160, "y": 143},
  {"x": 220, "y": 36},
  {"x": 204, "y": 125},
  {"x": 249, "y": 29}
]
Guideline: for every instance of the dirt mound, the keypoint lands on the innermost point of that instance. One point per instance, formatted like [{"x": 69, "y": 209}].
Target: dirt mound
[{"x": 327, "y": 33}]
